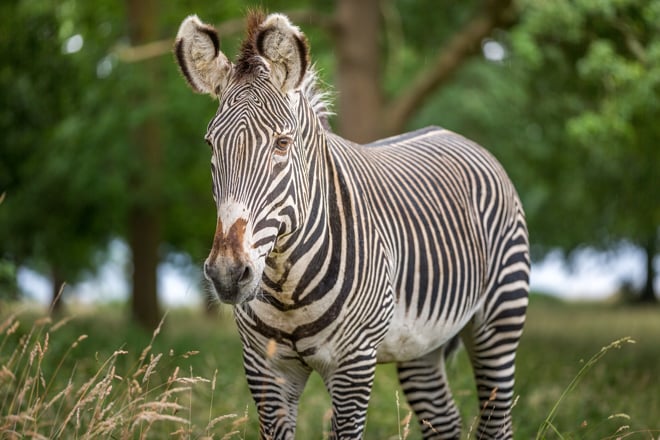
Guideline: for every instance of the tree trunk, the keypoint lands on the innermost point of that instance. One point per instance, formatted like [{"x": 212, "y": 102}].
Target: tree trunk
[
  {"x": 144, "y": 216},
  {"x": 463, "y": 45},
  {"x": 363, "y": 115},
  {"x": 358, "y": 69},
  {"x": 648, "y": 293},
  {"x": 144, "y": 242}
]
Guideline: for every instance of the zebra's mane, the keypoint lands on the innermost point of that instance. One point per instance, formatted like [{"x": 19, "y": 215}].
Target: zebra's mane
[
  {"x": 248, "y": 61},
  {"x": 248, "y": 58},
  {"x": 318, "y": 95}
]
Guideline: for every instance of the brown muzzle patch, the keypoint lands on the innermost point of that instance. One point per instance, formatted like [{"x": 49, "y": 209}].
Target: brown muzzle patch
[{"x": 230, "y": 244}]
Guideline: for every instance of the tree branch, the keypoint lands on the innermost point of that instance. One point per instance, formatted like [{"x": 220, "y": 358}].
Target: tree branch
[
  {"x": 634, "y": 46},
  {"x": 464, "y": 44},
  {"x": 133, "y": 54}
]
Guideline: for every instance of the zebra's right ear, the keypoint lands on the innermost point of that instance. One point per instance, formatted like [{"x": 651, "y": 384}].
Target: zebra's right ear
[
  {"x": 284, "y": 46},
  {"x": 197, "y": 50}
]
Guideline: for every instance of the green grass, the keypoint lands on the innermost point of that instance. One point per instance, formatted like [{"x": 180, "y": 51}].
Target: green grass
[{"x": 97, "y": 376}]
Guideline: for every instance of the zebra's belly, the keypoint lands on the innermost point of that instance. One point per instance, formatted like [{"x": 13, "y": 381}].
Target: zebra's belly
[{"x": 410, "y": 337}]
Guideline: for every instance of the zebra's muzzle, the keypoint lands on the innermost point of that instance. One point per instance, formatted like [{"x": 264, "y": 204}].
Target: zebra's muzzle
[
  {"x": 232, "y": 280},
  {"x": 229, "y": 267}
]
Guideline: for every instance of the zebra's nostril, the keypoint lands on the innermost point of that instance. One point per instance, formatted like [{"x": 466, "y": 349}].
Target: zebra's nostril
[
  {"x": 210, "y": 271},
  {"x": 246, "y": 275}
]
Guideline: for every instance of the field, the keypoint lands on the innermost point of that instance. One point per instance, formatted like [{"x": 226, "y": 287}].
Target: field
[{"x": 93, "y": 375}]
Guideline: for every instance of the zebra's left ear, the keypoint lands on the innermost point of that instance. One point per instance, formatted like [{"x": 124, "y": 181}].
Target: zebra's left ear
[{"x": 284, "y": 46}]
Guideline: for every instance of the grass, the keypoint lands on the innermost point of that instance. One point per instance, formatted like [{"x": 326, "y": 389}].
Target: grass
[{"x": 97, "y": 376}]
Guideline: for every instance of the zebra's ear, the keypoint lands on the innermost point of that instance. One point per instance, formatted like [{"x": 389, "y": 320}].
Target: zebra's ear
[
  {"x": 284, "y": 46},
  {"x": 197, "y": 50}
]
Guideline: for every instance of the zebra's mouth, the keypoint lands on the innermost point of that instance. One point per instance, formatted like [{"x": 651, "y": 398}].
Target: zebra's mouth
[
  {"x": 234, "y": 293},
  {"x": 234, "y": 279}
]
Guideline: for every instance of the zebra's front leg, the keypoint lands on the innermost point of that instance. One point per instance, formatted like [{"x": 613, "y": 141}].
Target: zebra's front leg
[
  {"x": 276, "y": 386},
  {"x": 350, "y": 388}
]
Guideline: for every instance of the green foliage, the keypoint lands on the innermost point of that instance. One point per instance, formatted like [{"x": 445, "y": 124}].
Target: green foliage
[
  {"x": 592, "y": 70},
  {"x": 8, "y": 285},
  {"x": 48, "y": 216},
  {"x": 68, "y": 161},
  {"x": 571, "y": 113},
  {"x": 69, "y": 164}
]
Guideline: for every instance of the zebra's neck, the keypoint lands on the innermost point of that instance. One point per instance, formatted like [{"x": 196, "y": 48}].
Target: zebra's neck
[{"x": 287, "y": 278}]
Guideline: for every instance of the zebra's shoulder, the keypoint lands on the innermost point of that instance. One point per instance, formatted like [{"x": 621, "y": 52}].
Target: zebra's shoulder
[{"x": 409, "y": 137}]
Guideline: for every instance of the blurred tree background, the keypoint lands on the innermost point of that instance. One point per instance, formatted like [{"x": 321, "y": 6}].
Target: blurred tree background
[{"x": 101, "y": 139}]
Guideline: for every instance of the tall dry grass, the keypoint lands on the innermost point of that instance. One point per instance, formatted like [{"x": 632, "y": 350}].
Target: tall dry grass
[{"x": 115, "y": 402}]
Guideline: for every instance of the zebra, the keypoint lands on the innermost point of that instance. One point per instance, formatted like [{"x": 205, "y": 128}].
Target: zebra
[{"x": 338, "y": 256}]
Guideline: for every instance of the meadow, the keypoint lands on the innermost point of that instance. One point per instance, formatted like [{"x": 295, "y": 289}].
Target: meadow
[{"x": 92, "y": 374}]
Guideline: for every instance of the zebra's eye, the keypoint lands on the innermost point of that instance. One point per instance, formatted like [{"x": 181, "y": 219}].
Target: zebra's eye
[
  {"x": 282, "y": 144},
  {"x": 208, "y": 141}
]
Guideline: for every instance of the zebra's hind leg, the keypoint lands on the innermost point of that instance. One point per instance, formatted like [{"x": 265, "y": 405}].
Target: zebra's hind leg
[
  {"x": 491, "y": 339},
  {"x": 424, "y": 382}
]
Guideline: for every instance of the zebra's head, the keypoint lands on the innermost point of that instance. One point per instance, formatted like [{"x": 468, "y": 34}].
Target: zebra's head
[{"x": 258, "y": 164}]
